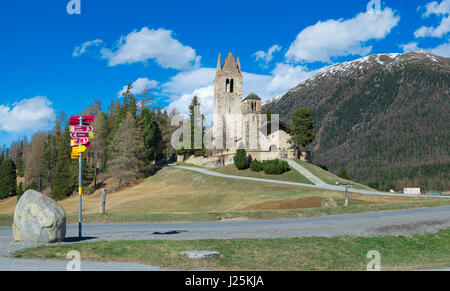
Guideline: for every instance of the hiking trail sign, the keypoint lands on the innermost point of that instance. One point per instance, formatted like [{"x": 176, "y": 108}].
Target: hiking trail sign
[
  {"x": 80, "y": 132},
  {"x": 79, "y": 142},
  {"x": 84, "y": 128}
]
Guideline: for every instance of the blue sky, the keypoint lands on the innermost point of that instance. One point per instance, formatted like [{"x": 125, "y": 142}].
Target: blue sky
[{"x": 52, "y": 61}]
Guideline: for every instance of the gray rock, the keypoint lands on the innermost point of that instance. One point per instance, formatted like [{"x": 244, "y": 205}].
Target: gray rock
[
  {"x": 328, "y": 203},
  {"x": 199, "y": 254},
  {"x": 38, "y": 218}
]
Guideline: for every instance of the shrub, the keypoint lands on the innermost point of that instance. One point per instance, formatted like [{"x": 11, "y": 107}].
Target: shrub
[
  {"x": 275, "y": 167},
  {"x": 241, "y": 160},
  {"x": 342, "y": 173},
  {"x": 150, "y": 170},
  {"x": 256, "y": 166}
]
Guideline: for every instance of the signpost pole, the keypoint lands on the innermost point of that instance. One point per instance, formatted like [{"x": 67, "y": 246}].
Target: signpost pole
[{"x": 80, "y": 191}]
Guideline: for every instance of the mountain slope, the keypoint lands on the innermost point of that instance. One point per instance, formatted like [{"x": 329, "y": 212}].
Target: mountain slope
[{"x": 385, "y": 118}]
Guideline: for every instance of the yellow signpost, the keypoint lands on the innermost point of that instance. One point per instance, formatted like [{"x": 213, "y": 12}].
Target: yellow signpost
[
  {"x": 76, "y": 156},
  {"x": 77, "y": 150},
  {"x": 80, "y": 132}
]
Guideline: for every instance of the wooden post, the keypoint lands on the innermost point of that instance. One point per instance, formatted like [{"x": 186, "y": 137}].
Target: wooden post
[
  {"x": 346, "y": 196},
  {"x": 103, "y": 205}
]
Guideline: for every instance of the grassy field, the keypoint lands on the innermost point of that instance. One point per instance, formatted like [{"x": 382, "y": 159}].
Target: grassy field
[
  {"x": 291, "y": 176},
  {"x": 180, "y": 195},
  {"x": 329, "y": 177},
  {"x": 430, "y": 251}
]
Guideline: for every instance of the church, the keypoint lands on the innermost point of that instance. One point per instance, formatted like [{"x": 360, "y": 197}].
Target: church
[{"x": 238, "y": 123}]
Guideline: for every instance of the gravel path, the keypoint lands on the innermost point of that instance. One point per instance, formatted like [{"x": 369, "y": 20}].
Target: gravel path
[
  {"x": 302, "y": 170},
  {"x": 324, "y": 186}
]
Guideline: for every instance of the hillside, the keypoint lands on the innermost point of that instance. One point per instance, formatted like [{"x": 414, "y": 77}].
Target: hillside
[{"x": 385, "y": 118}]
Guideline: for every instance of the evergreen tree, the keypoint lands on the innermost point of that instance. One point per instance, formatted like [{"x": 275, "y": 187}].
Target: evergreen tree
[
  {"x": 99, "y": 144},
  {"x": 8, "y": 178},
  {"x": 127, "y": 161},
  {"x": 196, "y": 119},
  {"x": 62, "y": 185},
  {"x": 20, "y": 190},
  {"x": 342, "y": 173},
  {"x": 48, "y": 160},
  {"x": 303, "y": 128},
  {"x": 241, "y": 159},
  {"x": 151, "y": 134}
]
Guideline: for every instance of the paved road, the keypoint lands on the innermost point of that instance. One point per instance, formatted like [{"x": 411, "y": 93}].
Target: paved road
[
  {"x": 325, "y": 186},
  {"x": 10, "y": 264},
  {"x": 310, "y": 176},
  {"x": 401, "y": 222}
]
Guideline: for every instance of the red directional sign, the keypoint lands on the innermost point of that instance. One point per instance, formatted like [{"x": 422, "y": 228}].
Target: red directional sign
[
  {"x": 81, "y": 134},
  {"x": 75, "y": 120},
  {"x": 81, "y": 129},
  {"x": 79, "y": 142},
  {"x": 85, "y": 118}
]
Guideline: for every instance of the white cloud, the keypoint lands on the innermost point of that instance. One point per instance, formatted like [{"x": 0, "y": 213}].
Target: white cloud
[
  {"x": 410, "y": 47},
  {"x": 442, "y": 50},
  {"x": 28, "y": 115},
  {"x": 333, "y": 38},
  {"x": 442, "y": 8},
  {"x": 187, "y": 81},
  {"x": 206, "y": 98},
  {"x": 286, "y": 77},
  {"x": 159, "y": 45},
  {"x": 79, "y": 50},
  {"x": 433, "y": 8},
  {"x": 266, "y": 57},
  {"x": 139, "y": 86}
]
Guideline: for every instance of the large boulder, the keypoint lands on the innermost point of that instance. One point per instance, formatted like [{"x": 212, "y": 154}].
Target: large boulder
[{"x": 38, "y": 218}]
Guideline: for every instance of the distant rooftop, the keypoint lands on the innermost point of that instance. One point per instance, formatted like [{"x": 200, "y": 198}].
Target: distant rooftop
[{"x": 252, "y": 96}]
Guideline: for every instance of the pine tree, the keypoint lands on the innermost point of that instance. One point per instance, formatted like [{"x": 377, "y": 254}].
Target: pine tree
[
  {"x": 20, "y": 190},
  {"x": 62, "y": 185},
  {"x": 241, "y": 159},
  {"x": 303, "y": 128},
  {"x": 99, "y": 144},
  {"x": 342, "y": 173},
  {"x": 196, "y": 119},
  {"x": 8, "y": 178},
  {"x": 151, "y": 134},
  {"x": 127, "y": 160}
]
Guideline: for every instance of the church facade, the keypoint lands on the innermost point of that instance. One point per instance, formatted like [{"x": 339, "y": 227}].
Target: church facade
[{"x": 238, "y": 123}]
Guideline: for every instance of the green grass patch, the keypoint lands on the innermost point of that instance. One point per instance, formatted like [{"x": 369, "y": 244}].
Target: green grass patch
[
  {"x": 290, "y": 176},
  {"x": 329, "y": 177},
  {"x": 6, "y": 219},
  {"x": 427, "y": 251}
]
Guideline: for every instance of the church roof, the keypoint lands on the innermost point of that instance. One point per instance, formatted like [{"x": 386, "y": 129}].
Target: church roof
[
  {"x": 229, "y": 65},
  {"x": 252, "y": 96}
]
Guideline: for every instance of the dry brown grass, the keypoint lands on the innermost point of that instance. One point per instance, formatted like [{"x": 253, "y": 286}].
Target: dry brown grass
[{"x": 179, "y": 191}]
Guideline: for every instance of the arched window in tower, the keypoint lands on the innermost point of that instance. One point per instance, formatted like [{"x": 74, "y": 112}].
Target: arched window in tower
[
  {"x": 231, "y": 85},
  {"x": 227, "y": 86}
]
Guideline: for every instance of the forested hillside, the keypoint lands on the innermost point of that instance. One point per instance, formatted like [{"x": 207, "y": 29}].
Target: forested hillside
[
  {"x": 129, "y": 138},
  {"x": 384, "y": 118}
]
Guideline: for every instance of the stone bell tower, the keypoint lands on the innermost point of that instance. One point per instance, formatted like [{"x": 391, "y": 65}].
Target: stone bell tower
[{"x": 227, "y": 103}]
